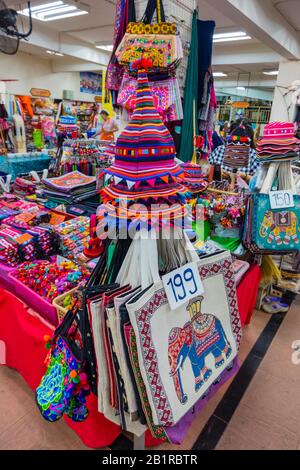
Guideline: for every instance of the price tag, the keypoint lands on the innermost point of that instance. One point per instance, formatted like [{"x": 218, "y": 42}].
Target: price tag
[
  {"x": 281, "y": 199},
  {"x": 182, "y": 284}
]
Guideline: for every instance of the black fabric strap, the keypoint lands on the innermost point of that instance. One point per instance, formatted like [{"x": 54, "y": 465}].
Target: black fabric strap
[{"x": 150, "y": 9}]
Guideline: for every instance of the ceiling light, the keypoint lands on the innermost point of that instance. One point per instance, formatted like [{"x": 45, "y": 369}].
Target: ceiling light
[
  {"x": 237, "y": 34},
  {"x": 220, "y": 74},
  {"x": 233, "y": 38},
  {"x": 108, "y": 48},
  {"x": 60, "y": 54},
  {"x": 241, "y": 88},
  {"x": 55, "y": 11},
  {"x": 271, "y": 72}
]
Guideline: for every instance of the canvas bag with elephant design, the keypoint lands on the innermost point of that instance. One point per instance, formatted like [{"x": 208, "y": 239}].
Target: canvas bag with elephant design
[
  {"x": 270, "y": 230},
  {"x": 183, "y": 352}
]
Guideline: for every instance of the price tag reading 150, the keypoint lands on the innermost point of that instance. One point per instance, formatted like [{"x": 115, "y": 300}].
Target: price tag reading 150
[
  {"x": 182, "y": 284},
  {"x": 281, "y": 199}
]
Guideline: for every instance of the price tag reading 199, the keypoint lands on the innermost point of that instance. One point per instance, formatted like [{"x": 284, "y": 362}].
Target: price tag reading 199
[
  {"x": 281, "y": 199},
  {"x": 182, "y": 284}
]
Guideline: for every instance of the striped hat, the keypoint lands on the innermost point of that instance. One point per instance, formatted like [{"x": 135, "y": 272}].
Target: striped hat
[{"x": 145, "y": 152}]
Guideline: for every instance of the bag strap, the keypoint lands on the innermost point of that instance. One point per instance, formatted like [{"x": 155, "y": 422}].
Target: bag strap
[
  {"x": 282, "y": 171},
  {"x": 153, "y": 5}
]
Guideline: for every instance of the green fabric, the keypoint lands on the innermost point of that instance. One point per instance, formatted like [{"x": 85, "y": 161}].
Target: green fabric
[
  {"x": 230, "y": 244},
  {"x": 190, "y": 96},
  {"x": 202, "y": 230}
]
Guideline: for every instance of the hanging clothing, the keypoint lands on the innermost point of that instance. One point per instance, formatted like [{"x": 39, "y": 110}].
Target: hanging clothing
[
  {"x": 205, "y": 32},
  {"x": 190, "y": 97}
]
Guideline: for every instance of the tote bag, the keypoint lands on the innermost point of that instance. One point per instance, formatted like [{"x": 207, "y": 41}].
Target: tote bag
[
  {"x": 277, "y": 230},
  {"x": 183, "y": 352}
]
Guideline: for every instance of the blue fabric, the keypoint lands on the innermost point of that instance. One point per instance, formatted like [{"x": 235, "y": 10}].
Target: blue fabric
[{"x": 15, "y": 164}]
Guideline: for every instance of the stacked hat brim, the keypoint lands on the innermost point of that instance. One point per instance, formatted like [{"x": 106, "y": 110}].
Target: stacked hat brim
[
  {"x": 192, "y": 178},
  {"x": 278, "y": 143},
  {"x": 144, "y": 169}
]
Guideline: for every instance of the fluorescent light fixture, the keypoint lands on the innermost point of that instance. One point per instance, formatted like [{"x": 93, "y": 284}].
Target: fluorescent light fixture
[
  {"x": 244, "y": 38},
  {"x": 220, "y": 74},
  {"x": 241, "y": 88},
  {"x": 55, "y": 11},
  {"x": 108, "y": 48},
  {"x": 233, "y": 36},
  {"x": 237, "y": 34},
  {"x": 271, "y": 72},
  {"x": 60, "y": 54}
]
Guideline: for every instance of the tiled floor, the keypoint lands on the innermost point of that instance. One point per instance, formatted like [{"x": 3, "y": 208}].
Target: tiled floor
[{"x": 267, "y": 417}]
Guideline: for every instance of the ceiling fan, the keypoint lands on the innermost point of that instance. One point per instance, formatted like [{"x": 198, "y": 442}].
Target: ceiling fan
[{"x": 10, "y": 36}]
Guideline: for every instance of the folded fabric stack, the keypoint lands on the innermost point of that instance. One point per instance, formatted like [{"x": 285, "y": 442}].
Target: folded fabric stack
[
  {"x": 24, "y": 187},
  {"x": 74, "y": 236},
  {"x": 5, "y": 212},
  {"x": 9, "y": 253},
  {"x": 278, "y": 143},
  {"x": 237, "y": 152},
  {"x": 15, "y": 245},
  {"x": 70, "y": 187}
]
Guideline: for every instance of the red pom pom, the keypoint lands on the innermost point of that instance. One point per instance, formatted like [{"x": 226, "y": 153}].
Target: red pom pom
[{"x": 141, "y": 64}]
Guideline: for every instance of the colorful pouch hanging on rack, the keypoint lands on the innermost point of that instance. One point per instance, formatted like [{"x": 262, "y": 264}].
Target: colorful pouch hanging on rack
[
  {"x": 64, "y": 387},
  {"x": 58, "y": 392},
  {"x": 158, "y": 42},
  {"x": 166, "y": 97}
]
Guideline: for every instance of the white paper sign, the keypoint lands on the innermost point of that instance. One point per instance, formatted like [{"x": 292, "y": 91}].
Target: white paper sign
[
  {"x": 182, "y": 284},
  {"x": 281, "y": 199}
]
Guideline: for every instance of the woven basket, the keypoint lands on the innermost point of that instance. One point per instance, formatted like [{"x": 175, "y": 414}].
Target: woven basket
[{"x": 58, "y": 304}]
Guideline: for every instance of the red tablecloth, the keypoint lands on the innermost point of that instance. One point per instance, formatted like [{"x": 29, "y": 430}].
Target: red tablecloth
[
  {"x": 23, "y": 335},
  {"x": 247, "y": 293}
]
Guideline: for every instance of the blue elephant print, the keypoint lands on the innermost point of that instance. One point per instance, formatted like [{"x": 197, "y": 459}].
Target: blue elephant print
[{"x": 200, "y": 337}]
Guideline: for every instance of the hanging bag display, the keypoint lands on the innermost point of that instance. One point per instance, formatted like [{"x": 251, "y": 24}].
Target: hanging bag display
[
  {"x": 159, "y": 42},
  {"x": 64, "y": 387},
  {"x": 273, "y": 215}
]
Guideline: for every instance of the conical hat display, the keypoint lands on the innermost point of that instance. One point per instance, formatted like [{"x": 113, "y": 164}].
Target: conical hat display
[{"x": 144, "y": 164}]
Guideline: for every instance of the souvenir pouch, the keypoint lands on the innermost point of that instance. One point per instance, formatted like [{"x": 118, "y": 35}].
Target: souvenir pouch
[
  {"x": 63, "y": 387},
  {"x": 277, "y": 230},
  {"x": 158, "y": 42},
  {"x": 182, "y": 352},
  {"x": 166, "y": 97}
]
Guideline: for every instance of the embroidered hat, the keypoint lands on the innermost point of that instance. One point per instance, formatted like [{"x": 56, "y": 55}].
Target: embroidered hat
[{"x": 279, "y": 131}]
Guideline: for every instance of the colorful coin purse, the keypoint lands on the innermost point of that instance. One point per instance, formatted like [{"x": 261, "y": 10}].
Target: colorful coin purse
[{"x": 64, "y": 386}]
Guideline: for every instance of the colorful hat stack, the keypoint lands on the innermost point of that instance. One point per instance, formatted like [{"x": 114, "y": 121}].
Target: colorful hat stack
[
  {"x": 193, "y": 178},
  {"x": 237, "y": 152},
  {"x": 144, "y": 170},
  {"x": 278, "y": 143}
]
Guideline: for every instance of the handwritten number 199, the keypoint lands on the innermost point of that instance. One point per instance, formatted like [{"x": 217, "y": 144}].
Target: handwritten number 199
[{"x": 179, "y": 284}]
